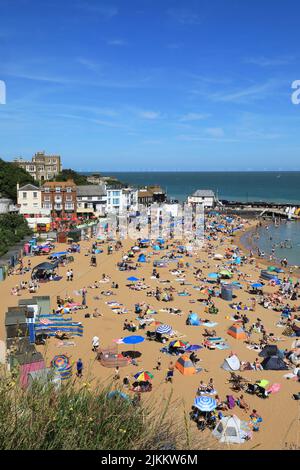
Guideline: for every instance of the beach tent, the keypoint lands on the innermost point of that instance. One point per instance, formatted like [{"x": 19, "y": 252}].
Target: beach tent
[
  {"x": 185, "y": 365},
  {"x": 237, "y": 332},
  {"x": 231, "y": 363},
  {"x": 142, "y": 258},
  {"x": 231, "y": 430},
  {"x": 269, "y": 350},
  {"x": 267, "y": 276},
  {"x": 193, "y": 319},
  {"x": 273, "y": 363},
  {"x": 156, "y": 247},
  {"x": 39, "y": 270}
]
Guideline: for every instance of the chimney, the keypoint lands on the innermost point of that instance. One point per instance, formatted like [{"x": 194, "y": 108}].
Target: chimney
[{"x": 18, "y": 186}]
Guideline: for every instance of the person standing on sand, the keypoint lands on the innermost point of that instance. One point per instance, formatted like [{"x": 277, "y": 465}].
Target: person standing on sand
[
  {"x": 79, "y": 367},
  {"x": 71, "y": 275},
  {"x": 158, "y": 363},
  {"x": 117, "y": 373},
  {"x": 83, "y": 292}
]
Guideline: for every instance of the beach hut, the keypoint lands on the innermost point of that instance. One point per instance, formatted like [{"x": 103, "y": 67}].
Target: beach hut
[
  {"x": 237, "y": 332},
  {"x": 185, "y": 365},
  {"x": 231, "y": 430},
  {"x": 27, "y": 362},
  {"x": 231, "y": 363}
]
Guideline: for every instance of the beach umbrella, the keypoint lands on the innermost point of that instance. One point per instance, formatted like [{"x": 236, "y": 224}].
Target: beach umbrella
[
  {"x": 134, "y": 339},
  {"x": 132, "y": 279},
  {"x": 225, "y": 273},
  {"x": 179, "y": 344},
  {"x": 164, "y": 329},
  {"x": 257, "y": 285},
  {"x": 271, "y": 268},
  {"x": 143, "y": 376},
  {"x": 205, "y": 403},
  {"x": 213, "y": 275},
  {"x": 194, "y": 347},
  {"x": 218, "y": 256}
]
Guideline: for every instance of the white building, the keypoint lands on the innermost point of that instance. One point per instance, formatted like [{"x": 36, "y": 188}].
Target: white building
[
  {"x": 91, "y": 199},
  {"x": 203, "y": 196},
  {"x": 30, "y": 206},
  {"x": 121, "y": 199}
]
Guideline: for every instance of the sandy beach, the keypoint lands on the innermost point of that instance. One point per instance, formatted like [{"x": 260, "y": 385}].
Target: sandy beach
[{"x": 280, "y": 412}]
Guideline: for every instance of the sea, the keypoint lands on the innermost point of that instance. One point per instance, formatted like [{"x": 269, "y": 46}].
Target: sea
[
  {"x": 278, "y": 187},
  {"x": 249, "y": 186}
]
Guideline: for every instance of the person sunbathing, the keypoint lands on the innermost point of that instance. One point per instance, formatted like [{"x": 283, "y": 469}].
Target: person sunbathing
[{"x": 242, "y": 403}]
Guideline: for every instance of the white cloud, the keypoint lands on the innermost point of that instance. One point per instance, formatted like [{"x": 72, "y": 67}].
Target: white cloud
[
  {"x": 193, "y": 117},
  {"x": 149, "y": 114},
  {"x": 268, "y": 61},
  {"x": 216, "y": 132},
  {"x": 105, "y": 11},
  {"x": 184, "y": 16},
  {"x": 116, "y": 42}
]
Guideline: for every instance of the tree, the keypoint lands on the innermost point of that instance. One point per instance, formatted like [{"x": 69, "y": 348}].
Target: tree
[
  {"x": 68, "y": 173},
  {"x": 13, "y": 228},
  {"x": 10, "y": 175}
]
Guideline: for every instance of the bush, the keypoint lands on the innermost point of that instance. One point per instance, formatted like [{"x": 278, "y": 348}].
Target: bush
[{"x": 78, "y": 417}]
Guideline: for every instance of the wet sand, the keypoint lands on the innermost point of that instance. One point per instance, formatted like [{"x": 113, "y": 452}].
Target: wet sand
[{"x": 279, "y": 411}]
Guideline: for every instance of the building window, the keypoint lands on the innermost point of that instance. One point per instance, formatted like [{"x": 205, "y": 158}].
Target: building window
[
  {"x": 116, "y": 201},
  {"x": 47, "y": 190},
  {"x": 69, "y": 206},
  {"x": 24, "y": 195},
  {"x": 116, "y": 193},
  {"x": 69, "y": 198},
  {"x": 57, "y": 189},
  {"x": 69, "y": 190},
  {"x": 35, "y": 195},
  {"x": 47, "y": 198}
]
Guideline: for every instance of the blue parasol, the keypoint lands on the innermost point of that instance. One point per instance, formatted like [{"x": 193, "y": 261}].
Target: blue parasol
[
  {"x": 134, "y": 339},
  {"x": 205, "y": 403},
  {"x": 132, "y": 279}
]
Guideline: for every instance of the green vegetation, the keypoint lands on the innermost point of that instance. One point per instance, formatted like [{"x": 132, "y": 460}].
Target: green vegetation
[
  {"x": 13, "y": 228},
  {"x": 78, "y": 417},
  {"x": 10, "y": 175},
  {"x": 68, "y": 173}
]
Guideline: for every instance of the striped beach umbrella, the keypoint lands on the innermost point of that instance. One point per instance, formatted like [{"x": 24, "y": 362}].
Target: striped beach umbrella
[
  {"x": 143, "y": 376},
  {"x": 164, "y": 329},
  {"x": 205, "y": 403}
]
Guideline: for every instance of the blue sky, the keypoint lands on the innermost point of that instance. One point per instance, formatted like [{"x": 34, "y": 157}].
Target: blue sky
[{"x": 151, "y": 85}]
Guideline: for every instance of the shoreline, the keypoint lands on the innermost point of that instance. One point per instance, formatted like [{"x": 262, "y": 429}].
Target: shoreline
[{"x": 262, "y": 262}]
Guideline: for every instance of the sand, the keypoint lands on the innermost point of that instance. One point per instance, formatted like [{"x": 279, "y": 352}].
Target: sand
[{"x": 279, "y": 411}]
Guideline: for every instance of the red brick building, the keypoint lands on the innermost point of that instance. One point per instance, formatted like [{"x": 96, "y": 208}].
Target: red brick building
[{"x": 60, "y": 197}]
